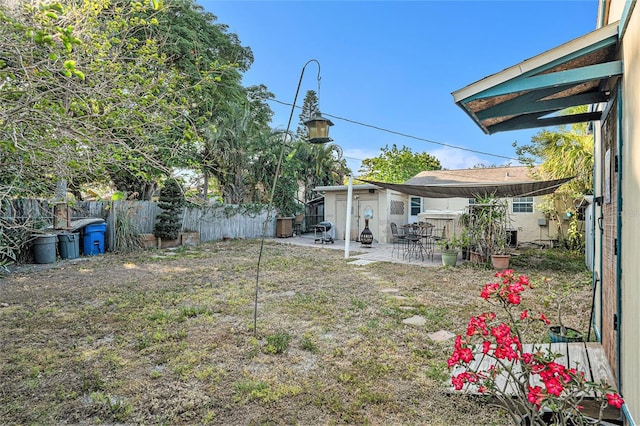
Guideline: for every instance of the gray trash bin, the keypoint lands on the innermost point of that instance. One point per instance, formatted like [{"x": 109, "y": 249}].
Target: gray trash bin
[
  {"x": 69, "y": 245},
  {"x": 44, "y": 249}
]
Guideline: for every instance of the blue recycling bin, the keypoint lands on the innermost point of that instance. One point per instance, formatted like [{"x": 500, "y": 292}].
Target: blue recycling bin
[{"x": 93, "y": 239}]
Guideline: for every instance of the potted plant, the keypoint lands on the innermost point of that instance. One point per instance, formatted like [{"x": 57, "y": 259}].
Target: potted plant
[
  {"x": 557, "y": 297},
  {"x": 487, "y": 227},
  {"x": 449, "y": 251},
  {"x": 499, "y": 255}
]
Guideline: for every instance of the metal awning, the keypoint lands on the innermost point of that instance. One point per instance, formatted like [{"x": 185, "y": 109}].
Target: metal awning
[
  {"x": 477, "y": 190},
  {"x": 529, "y": 94}
]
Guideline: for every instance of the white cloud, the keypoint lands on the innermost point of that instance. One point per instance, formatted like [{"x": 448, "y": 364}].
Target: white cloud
[
  {"x": 453, "y": 159},
  {"x": 355, "y": 156}
]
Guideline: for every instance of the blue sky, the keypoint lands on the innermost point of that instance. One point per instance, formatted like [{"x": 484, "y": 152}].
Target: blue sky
[{"x": 393, "y": 64}]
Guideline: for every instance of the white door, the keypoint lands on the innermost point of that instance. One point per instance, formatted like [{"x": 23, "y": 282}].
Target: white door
[{"x": 415, "y": 207}]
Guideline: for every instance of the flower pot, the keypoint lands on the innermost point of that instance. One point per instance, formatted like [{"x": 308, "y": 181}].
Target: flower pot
[
  {"x": 449, "y": 258},
  {"x": 476, "y": 257},
  {"x": 500, "y": 261},
  {"x": 569, "y": 335}
]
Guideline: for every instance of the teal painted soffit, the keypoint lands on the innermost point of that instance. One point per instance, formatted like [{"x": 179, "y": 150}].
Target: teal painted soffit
[{"x": 531, "y": 93}]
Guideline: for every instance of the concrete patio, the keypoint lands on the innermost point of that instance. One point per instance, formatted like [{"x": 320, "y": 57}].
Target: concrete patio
[{"x": 378, "y": 252}]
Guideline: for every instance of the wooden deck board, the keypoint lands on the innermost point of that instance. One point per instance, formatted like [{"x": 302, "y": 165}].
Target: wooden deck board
[
  {"x": 588, "y": 358},
  {"x": 599, "y": 365}
]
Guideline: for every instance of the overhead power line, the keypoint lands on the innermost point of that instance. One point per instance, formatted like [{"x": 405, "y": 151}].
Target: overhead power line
[{"x": 405, "y": 135}]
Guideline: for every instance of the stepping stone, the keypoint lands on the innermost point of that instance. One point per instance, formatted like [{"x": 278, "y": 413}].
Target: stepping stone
[
  {"x": 441, "y": 336},
  {"x": 399, "y": 297},
  {"x": 415, "y": 320},
  {"x": 361, "y": 262},
  {"x": 389, "y": 290},
  {"x": 406, "y": 308}
]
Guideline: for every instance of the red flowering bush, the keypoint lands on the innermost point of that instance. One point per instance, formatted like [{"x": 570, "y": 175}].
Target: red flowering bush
[{"x": 527, "y": 383}]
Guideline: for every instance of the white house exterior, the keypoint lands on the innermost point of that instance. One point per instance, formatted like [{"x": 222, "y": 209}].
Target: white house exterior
[
  {"x": 387, "y": 205},
  {"x": 527, "y": 221}
]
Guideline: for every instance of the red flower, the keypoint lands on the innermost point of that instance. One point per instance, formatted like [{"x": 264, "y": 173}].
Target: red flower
[
  {"x": 555, "y": 368},
  {"x": 554, "y": 386},
  {"x": 459, "y": 380},
  {"x": 524, "y": 314},
  {"x": 513, "y": 298},
  {"x": 544, "y": 319},
  {"x": 489, "y": 289},
  {"x": 614, "y": 400},
  {"x": 535, "y": 396}
]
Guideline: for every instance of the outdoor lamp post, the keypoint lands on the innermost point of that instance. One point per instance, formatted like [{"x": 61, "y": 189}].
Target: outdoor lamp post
[{"x": 318, "y": 128}]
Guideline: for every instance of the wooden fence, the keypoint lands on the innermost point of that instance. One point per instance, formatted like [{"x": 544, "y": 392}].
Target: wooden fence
[{"x": 213, "y": 222}]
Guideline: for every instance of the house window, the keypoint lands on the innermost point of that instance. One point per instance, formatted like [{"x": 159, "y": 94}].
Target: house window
[
  {"x": 416, "y": 206},
  {"x": 523, "y": 205},
  {"x": 472, "y": 201}
]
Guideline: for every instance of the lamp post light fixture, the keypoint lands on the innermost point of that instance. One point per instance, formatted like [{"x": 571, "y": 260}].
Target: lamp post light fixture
[{"x": 318, "y": 128}]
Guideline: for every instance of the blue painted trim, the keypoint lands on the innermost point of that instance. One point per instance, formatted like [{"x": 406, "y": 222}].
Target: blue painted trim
[
  {"x": 626, "y": 16},
  {"x": 597, "y": 213},
  {"x": 533, "y": 120},
  {"x": 530, "y": 103},
  {"x": 627, "y": 415},
  {"x": 609, "y": 41},
  {"x": 571, "y": 76},
  {"x": 619, "y": 237}
]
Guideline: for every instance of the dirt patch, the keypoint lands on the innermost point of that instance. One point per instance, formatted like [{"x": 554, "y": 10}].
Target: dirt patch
[{"x": 166, "y": 337}]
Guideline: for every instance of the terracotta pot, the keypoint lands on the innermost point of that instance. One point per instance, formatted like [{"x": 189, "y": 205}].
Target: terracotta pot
[
  {"x": 475, "y": 257},
  {"x": 500, "y": 261}
]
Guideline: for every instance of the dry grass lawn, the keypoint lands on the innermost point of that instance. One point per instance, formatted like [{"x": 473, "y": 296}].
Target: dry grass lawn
[{"x": 166, "y": 337}]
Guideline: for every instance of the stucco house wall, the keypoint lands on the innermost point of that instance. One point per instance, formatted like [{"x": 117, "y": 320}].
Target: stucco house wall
[
  {"x": 525, "y": 224},
  {"x": 387, "y": 206}
]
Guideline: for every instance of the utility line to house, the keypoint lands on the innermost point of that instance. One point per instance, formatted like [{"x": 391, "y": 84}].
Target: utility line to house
[{"x": 405, "y": 135}]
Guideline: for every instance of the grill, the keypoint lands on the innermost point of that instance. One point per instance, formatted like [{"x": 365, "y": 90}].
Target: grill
[{"x": 324, "y": 232}]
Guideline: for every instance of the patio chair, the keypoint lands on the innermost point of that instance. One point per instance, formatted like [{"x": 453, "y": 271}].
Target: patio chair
[{"x": 397, "y": 239}]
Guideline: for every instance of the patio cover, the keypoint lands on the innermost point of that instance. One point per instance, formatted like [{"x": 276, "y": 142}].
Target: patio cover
[
  {"x": 477, "y": 190},
  {"x": 531, "y": 93}
]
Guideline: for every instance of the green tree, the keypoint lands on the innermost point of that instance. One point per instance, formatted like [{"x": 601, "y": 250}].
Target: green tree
[
  {"x": 171, "y": 202},
  {"x": 317, "y": 164},
  {"x": 565, "y": 152},
  {"x": 309, "y": 108},
  {"x": 197, "y": 45},
  {"x": 397, "y": 165},
  {"x": 84, "y": 98}
]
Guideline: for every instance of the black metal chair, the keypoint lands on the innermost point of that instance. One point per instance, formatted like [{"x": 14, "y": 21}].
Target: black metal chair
[{"x": 398, "y": 240}]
